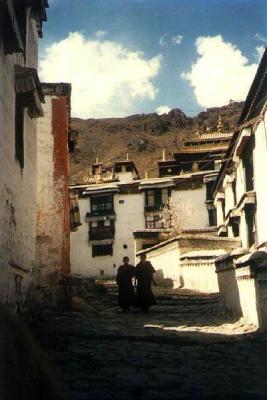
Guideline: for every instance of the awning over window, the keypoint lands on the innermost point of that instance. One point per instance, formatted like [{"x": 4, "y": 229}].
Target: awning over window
[
  {"x": 27, "y": 84},
  {"x": 11, "y": 27}
]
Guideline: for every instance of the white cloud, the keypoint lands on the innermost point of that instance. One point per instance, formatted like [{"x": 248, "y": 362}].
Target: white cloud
[
  {"x": 259, "y": 52},
  {"x": 107, "y": 79},
  {"x": 163, "y": 110},
  {"x": 163, "y": 40},
  {"x": 100, "y": 34},
  {"x": 220, "y": 73},
  {"x": 177, "y": 39},
  {"x": 261, "y": 38}
]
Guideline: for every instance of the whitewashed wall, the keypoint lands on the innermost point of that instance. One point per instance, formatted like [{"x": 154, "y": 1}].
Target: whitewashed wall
[
  {"x": 129, "y": 217},
  {"x": 193, "y": 202},
  {"x": 17, "y": 187},
  {"x": 260, "y": 165},
  {"x": 166, "y": 262},
  {"x": 199, "y": 275}
]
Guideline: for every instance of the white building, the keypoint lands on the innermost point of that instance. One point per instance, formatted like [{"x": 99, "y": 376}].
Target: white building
[
  {"x": 241, "y": 187},
  {"x": 121, "y": 214},
  {"x": 20, "y": 104}
]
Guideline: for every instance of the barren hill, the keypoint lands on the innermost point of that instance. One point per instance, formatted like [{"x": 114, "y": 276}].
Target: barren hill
[{"x": 142, "y": 136}]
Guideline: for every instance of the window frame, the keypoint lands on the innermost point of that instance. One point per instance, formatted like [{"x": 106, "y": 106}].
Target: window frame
[{"x": 19, "y": 128}]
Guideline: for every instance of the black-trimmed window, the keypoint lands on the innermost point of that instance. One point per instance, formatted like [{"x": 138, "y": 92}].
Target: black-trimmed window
[
  {"x": 156, "y": 198},
  {"x": 209, "y": 190},
  {"x": 101, "y": 230},
  {"x": 212, "y": 216},
  {"x": 19, "y": 129},
  {"x": 235, "y": 222},
  {"x": 13, "y": 26},
  {"x": 154, "y": 222},
  {"x": 102, "y": 204},
  {"x": 247, "y": 159},
  {"x": 250, "y": 221},
  {"x": 21, "y": 14},
  {"x": 102, "y": 250}
]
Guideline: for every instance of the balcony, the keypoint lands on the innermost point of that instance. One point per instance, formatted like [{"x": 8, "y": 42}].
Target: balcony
[
  {"x": 97, "y": 213},
  {"x": 101, "y": 233},
  {"x": 156, "y": 207}
]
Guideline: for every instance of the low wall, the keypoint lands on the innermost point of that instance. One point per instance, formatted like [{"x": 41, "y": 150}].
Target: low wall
[
  {"x": 238, "y": 287},
  {"x": 188, "y": 260},
  {"x": 199, "y": 275},
  {"x": 165, "y": 260},
  {"x": 247, "y": 288}
]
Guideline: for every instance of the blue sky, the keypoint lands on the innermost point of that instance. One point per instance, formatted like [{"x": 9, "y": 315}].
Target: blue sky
[{"x": 167, "y": 72}]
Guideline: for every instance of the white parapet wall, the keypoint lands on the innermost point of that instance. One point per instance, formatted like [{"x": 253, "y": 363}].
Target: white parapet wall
[
  {"x": 198, "y": 270},
  {"x": 240, "y": 288},
  {"x": 188, "y": 260},
  {"x": 165, "y": 260}
]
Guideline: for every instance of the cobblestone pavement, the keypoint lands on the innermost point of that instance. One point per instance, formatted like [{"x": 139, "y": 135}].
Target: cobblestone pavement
[{"x": 186, "y": 348}]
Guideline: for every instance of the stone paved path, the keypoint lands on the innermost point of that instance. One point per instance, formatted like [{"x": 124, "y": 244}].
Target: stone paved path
[{"x": 185, "y": 348}]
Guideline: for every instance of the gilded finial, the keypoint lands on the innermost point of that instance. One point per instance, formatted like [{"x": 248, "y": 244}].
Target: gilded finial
[
  {"x": 220, "y": 124},
  {"x": 127, "y": 156},
  {"x": 146, "y": 174},
  {"x": 164, "y": 154},
  {"x": 97, "y": 160}
]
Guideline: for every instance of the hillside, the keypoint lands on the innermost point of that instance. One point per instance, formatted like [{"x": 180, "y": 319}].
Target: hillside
[{"x": 142, "y": 136}]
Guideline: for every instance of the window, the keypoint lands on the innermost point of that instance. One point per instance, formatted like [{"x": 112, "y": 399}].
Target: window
[
  {"x": 13, "y": 25},
  {"x": 156, "y": 198},
  {"x": 121, "y": 201},
  {"x": 235, "y": 226},
  {"x": 250, "y": 220},
  {"x": 164, "y": 195},
  {"x": 209, "y": 190},
  {"x": 234, "y": 191},
  {"x": 101, "y": 230},
  {"x": 102, "y": 250},
  {"x": 21, "y": 14},
  {"x": 212, "y": 216},
  {"x": 102, "y": 204},
  {"x": 125, "y": 246},
  {"x": 19, "y": 129},
  {"x": 150, "y": 198},
  {"x": 154, "y": 222},
  {"x": 247, "y": 159}
]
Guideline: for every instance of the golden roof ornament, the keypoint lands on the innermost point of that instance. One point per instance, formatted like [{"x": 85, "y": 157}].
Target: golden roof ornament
[
  {"x": 164, "y": 154},
  {"x": 220, "y": 124},
  {"x": 127, "y": 156},
  {"x": 146, "y": 174},
  {"x": 97, "y": 160}
]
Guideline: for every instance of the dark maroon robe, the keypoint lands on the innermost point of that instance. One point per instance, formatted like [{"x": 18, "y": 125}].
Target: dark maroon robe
[{"x": 126, "y": 290}]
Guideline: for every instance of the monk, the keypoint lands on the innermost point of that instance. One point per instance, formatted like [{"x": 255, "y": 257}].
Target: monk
[
  {"x": 124, "y": 280},
  {"x": 144, "y": 278}
]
